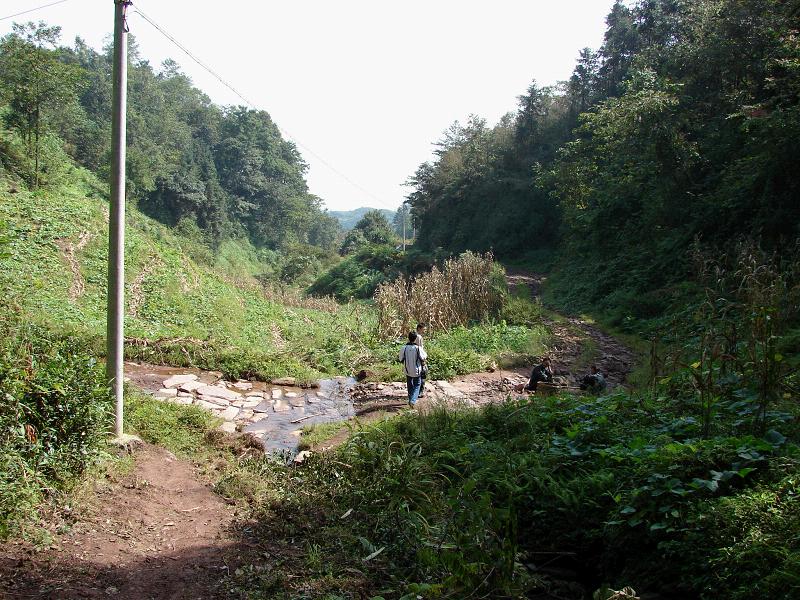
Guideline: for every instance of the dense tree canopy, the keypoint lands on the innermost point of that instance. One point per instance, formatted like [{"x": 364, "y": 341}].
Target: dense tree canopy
[
  {"x": 683, "y": 124},
  {"x": 229, "y": 170}
]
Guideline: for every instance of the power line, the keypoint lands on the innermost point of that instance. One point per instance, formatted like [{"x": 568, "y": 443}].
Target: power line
[
  {"x": 30, "y": 10},
  {"x": 254, "y": 107}
]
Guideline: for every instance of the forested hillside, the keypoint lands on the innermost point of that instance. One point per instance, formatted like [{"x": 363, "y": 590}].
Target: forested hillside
[
  {"x": 682, "y": 126},
  {"x": 227, "y": 171},
  {"x": 348, "y": 218}
]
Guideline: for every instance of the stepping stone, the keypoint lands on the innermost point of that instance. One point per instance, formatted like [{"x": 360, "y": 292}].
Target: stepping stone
[
  {"x": 190, "y": 386},
  {"x": 208, "y": 405},
  {"x": 252, "y": 401},
  {"x": 277, "y": 393},
  {"x": 258, "y": 427},
  {"x": 258, "y": 417},
  {"x": 177, "y": 380},
  {"x": 184, "y": 399},
  {"x": 229, "y": 414},
  {"x": 284, "y": 381},
  {"x": 185, "y": 394},
  {"x": 245, "y": 414},
  {"x": 297, "y": 401},
  {"x": 166, "y": 393},
  {"x": 218, "y": 392},
  {"x": 245, "y": 386},
  {"x": 218, "y": 402},
  {"x": 239, "y": 403},
  {"x": 292, "y": 394},
  {"x": 263, "y": 406},
  {"x": 228, "y": 427},
  {"x": 280, "y": 406}
]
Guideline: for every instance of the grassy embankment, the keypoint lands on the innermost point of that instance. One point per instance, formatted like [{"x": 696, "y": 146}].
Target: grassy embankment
[{"x": 187, "y": 305}]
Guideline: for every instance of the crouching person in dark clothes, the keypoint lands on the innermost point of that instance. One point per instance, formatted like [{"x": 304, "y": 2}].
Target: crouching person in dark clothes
[
  {"x": 594, "y": 382},
  {"x": 541, "y": 372}
]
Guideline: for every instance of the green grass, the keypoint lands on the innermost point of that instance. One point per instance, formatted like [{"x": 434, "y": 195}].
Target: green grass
[
  {"x": 313, "y": 435},
  {"x": 184, "y": 310},
  {"x": 619, "y": 489}
]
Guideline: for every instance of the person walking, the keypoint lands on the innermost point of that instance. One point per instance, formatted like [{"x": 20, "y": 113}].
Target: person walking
[
  {"x": 413, "y": 358},
  {"x": 424, "y": 375}
]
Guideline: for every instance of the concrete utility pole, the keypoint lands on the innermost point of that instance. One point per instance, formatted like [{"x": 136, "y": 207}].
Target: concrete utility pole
[
  {"x": 403, "y": 206},
  {"x": 115, "y": 336}
]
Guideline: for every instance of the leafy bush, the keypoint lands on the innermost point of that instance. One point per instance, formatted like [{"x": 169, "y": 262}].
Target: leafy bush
[
  {"x": 54, "y": 414},
  {"x": 461, "y": 501}
]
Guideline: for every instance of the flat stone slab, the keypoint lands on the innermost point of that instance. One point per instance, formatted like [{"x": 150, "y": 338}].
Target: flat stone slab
[
  {"x": 177, "y": 380},
  {"x": 252, "y": 401},
  {"x": 229, "y": 414},
  {"x": 297, "y": 401},
  {"x": 312, "y": 399},
  {"x": 218, "y": 392},
  {"x": 277, "y": 393},
  {"x": 292, "y": 394},
  {"x": 208, "y": 405},
  {"x": 263, "y": 406},
  {"x": 184, "y": 399},
  {"x": 228, "y": 427},
  {"x": 280, "y": 406},
  {"x": 258, "y": 417},
  {"x": 166, "y": 393},
  {"x": 217, "y": 402},
  {"x": 284, "y": 381},
  {"x": 190, "y": 386},
  {"x": 243, "y": 385}
]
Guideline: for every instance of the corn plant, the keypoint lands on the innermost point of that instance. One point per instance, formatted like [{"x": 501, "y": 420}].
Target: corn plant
[{"x": 460, "y": 291}]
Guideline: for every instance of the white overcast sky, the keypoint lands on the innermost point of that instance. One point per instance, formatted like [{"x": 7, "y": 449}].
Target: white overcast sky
[{"x": 368, "y": 86}]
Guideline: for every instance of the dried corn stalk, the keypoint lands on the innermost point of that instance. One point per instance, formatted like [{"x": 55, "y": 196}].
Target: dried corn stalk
[{"x": 460, "y": 292}]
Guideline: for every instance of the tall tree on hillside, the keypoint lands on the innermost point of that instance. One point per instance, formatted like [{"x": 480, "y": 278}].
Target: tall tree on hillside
[
  {"x": 34, "y": 83},
  {"x": 372, "y": 228},
  {"x": 402, "y": 221}
]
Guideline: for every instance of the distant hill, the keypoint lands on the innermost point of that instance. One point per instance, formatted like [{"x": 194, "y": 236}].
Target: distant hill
[{"x": 349, "y": 218}]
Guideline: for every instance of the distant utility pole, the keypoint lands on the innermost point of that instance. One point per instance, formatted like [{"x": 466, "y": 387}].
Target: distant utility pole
[
  {"x": 115, "y": 336},
  {"x": 403, "y": 206}
]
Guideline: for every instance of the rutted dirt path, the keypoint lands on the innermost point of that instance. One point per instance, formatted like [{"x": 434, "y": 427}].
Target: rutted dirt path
[
  {"x": 157, "y": 532},
  {"x": 579, "y": 344}
]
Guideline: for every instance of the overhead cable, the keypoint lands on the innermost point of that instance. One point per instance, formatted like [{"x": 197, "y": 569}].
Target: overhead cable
[
  {"x": 219, "y": 78},
  {"x": 30, "y": 10}
]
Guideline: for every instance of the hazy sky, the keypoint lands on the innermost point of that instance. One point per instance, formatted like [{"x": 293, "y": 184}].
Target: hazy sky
[{"x": 366, "y": 86}]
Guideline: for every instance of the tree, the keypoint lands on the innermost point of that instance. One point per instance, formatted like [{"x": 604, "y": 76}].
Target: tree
[
  {"x": 402, "y": 221},
  {"x": 372, "y": 228},
  {"x": 33, "y": 83}
]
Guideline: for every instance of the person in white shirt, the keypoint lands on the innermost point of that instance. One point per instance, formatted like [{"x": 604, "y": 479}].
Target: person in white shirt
[
  {"x": 420, "y": 331},
  {"x": 413, "y": 358}
]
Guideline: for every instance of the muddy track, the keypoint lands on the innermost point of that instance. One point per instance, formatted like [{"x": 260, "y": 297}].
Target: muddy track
[
  {"x": 577, "y": 344},
  {"x": 157, "y": 532}
]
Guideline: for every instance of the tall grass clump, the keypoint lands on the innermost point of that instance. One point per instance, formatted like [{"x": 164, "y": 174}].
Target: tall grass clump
[
  {"x": 465, "y": 289},
  {"x": 738, "y": 343},
  {"x": 55, "y": 410}
]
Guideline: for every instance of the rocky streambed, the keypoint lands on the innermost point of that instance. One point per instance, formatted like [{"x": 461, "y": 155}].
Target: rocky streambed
[{"x": 273, "y": 413}]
